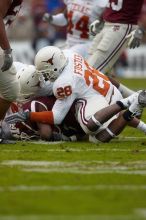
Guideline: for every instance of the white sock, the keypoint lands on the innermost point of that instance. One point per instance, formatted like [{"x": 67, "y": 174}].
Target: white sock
[
  {"x": 142, "y": 126},
  {"x": 125, "y": 91}
]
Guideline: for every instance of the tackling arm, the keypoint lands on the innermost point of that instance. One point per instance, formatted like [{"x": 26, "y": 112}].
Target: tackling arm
[{"x": 58, "y": 113}]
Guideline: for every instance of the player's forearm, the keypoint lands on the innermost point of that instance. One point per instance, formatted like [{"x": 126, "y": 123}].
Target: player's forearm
[
  {"x": 46, "y": 117},
  {"x": 4, "y": 42}
]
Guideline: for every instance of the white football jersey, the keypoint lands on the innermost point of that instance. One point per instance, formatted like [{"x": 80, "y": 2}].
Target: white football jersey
[
  {"x": 80, "y": 14},
  {"x": 79, "y": 81}
]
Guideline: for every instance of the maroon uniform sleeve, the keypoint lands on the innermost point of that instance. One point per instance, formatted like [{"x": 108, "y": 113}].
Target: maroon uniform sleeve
[
  {"x": 123, "y": 11},
  {"x": 12, "y": 11}
]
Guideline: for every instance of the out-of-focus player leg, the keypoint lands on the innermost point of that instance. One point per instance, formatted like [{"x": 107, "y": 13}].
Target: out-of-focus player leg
[
  {"x": 81, "y": 49},
  {"x": 104, "y": 53}
]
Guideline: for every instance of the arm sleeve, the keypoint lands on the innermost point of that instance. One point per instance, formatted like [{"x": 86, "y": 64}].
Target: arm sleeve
[
  {"x": 61, "y": 108},
  {"x": 59, "y": 20}
]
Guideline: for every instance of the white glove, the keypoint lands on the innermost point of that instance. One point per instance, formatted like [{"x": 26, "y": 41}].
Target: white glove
[
  {"x": 95, "y": 27},
  {"x": 135, "y": 38},
  {"x": 17, "y": 117},
  {"x": 47, "y": 18}
]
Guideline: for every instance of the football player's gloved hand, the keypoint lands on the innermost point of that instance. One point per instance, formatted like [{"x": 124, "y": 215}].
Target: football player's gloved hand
[
  {"x": 47, "y": 18},
  {"x": 8, "y": 60},
  {"x": 17, "y": 117},
  {"x": 95, "y": 27},
  {"x": 136, "y": 37}
]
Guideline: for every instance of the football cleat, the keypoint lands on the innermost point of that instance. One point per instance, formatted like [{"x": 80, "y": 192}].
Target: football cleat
[
  {"x": 138, "y": 103},
  {"x": 130, "y": 99},
  {"x": 142, "y": 98}
]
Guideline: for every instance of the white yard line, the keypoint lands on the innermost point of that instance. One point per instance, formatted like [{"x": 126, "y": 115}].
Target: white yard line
[
  {"x": 79, "y": 167},
  {"x": 85, "y": 172},
  {"x": 72, "y": 188},
  {"x": 141, "y": 212},
  {"x": 67, "y": 217},
  {"x": 121, "y": 139},
  {"x": 78, "y": 163},
  {"x": 77, "y": 150}
]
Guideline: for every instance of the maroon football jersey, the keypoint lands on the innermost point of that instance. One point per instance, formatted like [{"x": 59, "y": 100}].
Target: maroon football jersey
[
  {"x": 69, "y": 126},
  {"x": 123, "y": 11},
  {"x": 12, "y": 12}
]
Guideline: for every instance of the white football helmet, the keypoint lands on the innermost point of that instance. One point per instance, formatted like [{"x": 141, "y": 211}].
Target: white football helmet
[
  {"x": 29, "y": 82},
  {"x": 50, "y": 61}
]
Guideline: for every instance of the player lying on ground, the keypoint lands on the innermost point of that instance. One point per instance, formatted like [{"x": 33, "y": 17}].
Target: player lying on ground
[
  {"x": 32, "y": 85},
  {"x": 74, "y": 80},
  {"x": 68, "y": 130}
]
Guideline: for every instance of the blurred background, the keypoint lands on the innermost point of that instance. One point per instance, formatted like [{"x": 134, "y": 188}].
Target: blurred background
[{"x": 28, "y": 34}]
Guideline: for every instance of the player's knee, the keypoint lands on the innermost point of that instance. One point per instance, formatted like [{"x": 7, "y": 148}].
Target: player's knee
[
  {"x": 93, "y": 125},
  {"x": 105, "y": 135}
]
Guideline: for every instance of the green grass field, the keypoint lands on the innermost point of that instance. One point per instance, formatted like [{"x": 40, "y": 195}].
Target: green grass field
[{"x": 75, "y": 181}]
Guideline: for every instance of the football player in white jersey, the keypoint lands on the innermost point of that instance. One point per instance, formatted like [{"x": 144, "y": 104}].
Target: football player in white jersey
[
  {"x": 79, "y": 14},
  {"x": 36, "y": 95},
  {"x": 98, "y": 100}
]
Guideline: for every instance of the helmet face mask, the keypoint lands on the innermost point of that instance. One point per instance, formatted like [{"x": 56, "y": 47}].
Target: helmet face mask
[{"x": 50, "y": 62}]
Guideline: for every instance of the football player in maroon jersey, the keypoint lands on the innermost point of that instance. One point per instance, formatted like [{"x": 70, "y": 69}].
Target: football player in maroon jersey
[
  {"x": 120, "y": 19},
  {"x": 69, "y": 130},
  {"x": 8, "y": 84}
]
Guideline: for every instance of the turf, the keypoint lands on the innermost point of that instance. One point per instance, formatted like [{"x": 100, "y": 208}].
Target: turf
[{"x": 75, "y": 181}]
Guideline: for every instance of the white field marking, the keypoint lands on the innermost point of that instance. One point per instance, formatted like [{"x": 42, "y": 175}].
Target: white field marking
[
  {"x": 141, "y": 212},
  {"x": 79, "y": 167},
  {"x": 85, "y": 172},
  {"x": 80, "y": 163},
  {"x": 72, "y": 188},
  {"x": 68, "y": 217},
  {"x": 122, "y": 139},
  {"x": 77, "y": 150},
  {"x": 43, "y": 142}
]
